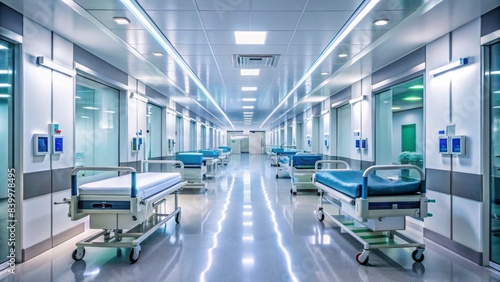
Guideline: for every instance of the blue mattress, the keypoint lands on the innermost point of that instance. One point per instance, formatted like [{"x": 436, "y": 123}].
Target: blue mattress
[
  {"x": 350, "y": 183},
  {"x": 305, "y": 161}
]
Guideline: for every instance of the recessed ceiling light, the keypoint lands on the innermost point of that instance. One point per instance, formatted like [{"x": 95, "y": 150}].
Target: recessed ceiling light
[
  {"x": 248, "y": 113},
  {"x": 91, "y": 108},
  {"x": 412, "y": 98},
  {"x": 324, "y": 73},
  {"x": 247, "y": 107},
  {"x": 158, "y": 54},
  {"x": 247, "y": 72},
  {"x": 248, "y": 88},
  {"x": 342, "y": 55},
  {"x": 121, "y": 20},
  {"x": 250, "y": 37},
  {"x": 395, "y": 108},
  {"x": 416, "y": 87},
  {"x": 249, "y": 99},
  {"x": 381, "y": 22}
]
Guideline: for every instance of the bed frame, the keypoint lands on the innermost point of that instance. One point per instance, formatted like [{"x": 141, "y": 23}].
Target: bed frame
[
  {"x": 139, "y": 218},
  {"x": 375, "y": 228}
]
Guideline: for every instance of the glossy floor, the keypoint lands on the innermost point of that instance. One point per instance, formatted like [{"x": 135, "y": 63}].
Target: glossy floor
[{"x": 247, "y": 227}]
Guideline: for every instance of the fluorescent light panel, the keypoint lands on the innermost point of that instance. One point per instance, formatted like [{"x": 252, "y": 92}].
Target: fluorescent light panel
[
  {"x": 458, "y": 63},
  {"x": 248, "y": 88},
  {"x": 249, "y": 99},
  {"x": 248, "y": 113},
  {"x": 4, "y": 96},
  {"x": 412, "y": 98},
  {"x": 5, "y": 85},
  {"x": 250, "y": 72},
  {"x": 346, "y": 29},
  {"x": 5, "y": 71},
  {"x": 142, "y": 16},
  {"x": 342, "y": 55},
  {"x": 247, "y": 107},
  {"x": 250, "y": 37},
  {"x": 158, "y": 54},
  {"x": 121, "y": 20}
]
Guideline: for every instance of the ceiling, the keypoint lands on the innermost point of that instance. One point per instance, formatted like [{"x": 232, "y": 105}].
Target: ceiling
[{"x": 202, "y": 32}]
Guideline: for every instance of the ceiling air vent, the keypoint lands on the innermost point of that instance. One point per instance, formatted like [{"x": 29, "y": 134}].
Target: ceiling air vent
[{"x": 255, "y": 61}]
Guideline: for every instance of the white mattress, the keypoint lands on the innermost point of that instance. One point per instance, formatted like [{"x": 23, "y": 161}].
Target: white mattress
[{"x": 148, "y": 184}]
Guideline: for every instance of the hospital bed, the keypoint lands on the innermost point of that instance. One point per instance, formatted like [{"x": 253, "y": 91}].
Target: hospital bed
[
  {"x": 226, "y": 152},
  {"x": 134, "y": 203},
  {"x": 301, "y": 169},
  {"x": 194, "y": 169},
  {"x": 211, "y": 160},
  {"x": 283, "y": 160},
  {"x": 372, "y": 208}
]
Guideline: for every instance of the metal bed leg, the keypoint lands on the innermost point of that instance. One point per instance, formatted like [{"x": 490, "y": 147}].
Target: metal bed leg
[{"x": 320, "y": 213}]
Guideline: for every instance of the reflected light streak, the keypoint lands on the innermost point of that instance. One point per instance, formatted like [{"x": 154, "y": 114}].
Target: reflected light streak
[
  {"x": 280, "y": 236},
  {"x": 216, "y": 234}
]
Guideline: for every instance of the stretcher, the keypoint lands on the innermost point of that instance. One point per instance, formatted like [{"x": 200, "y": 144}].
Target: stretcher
[
  {"x": 128, "y": 208},
  {"x": 194, "y": 169},
  {"x": 226, "y": 154},
  {"x": 212, "y": 161},
  {"x": 372, "y": 208},
  {"x": 301, "y": 169},
  {"x": 284, "y": 159}
]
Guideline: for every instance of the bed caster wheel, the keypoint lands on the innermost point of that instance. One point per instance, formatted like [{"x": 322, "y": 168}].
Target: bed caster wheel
[
  {"x": 320, "y": 215},
  {"x": 178, "y": 218},
  {"x": 416, "y": 257},
  {"x": 78, "y": 254},
  {"x": 135, "y": 253},
  {"x": 294, "y": 193},
  {"x": 361, "y": 262},
  {"x": 276, "y": 176}
]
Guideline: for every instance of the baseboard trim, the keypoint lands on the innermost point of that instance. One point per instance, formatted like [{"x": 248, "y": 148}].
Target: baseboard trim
[
  {"x": 36, "y": 249},
  {"x": 455, "y": 247},
  {"x": 68, "y": 234}
]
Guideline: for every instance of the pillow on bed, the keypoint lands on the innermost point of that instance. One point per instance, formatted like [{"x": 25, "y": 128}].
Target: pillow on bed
[{"x": 350, "y": 182}]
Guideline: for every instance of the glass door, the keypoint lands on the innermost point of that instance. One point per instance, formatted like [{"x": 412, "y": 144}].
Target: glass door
[
  {"x": 7, "y": 173},
  {"x": 494, "y": 79}
]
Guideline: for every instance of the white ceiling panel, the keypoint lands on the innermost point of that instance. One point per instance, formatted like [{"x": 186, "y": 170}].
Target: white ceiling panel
[
  {"x": 222, "y": 6},
  {"x": 274, "y": 20},
  {"x": 331, "y": 20},
  {"x": 135, "y": 36},
  {"x": 185, "y": 36},
  {"x": 167, "y": 5},
  {"x": 305, "y": 50},
  {"x": 333, "y": 5},
  {"x": 229, "y": 49},
  {"x": 298, "y": 60},
  {"x": 281, "y": 5},
  {"x": 176, "y": 20},
  {"x": 313, "y": 37},
  {"x": 234, "y": 20},
  {"x": 101, "y": 5},
  {"x": 227, "y": 37}
]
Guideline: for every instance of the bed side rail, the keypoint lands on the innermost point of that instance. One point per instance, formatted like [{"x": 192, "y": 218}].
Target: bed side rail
[
  {"x": 317, "y": 164},
  {"x": 133, "y": 175},
  {"x": 364, "y": 191},
  {"x": 174, "y": 162}
]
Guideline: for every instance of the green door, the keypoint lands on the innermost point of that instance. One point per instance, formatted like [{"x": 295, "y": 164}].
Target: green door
[{"x": 408, "y": 138}]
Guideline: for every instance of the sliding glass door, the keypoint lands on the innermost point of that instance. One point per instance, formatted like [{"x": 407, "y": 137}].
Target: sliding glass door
[{"x": 7, "y": 173}]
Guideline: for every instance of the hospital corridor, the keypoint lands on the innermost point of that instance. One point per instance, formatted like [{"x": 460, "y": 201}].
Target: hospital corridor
[
  {"x": 247, "y": 227},
  {"x": 250, "y": 140}
]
